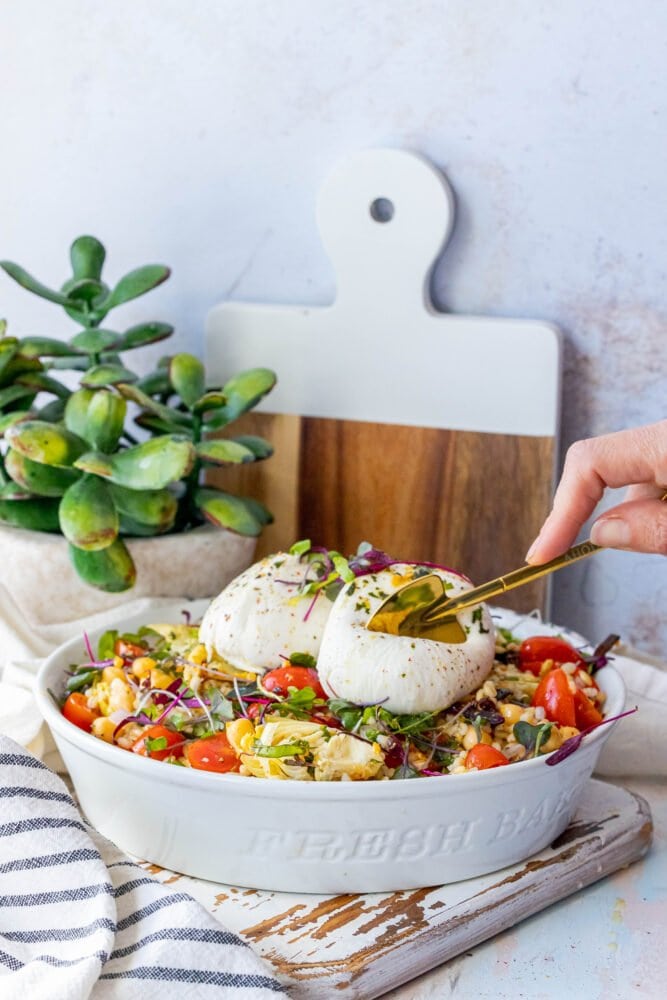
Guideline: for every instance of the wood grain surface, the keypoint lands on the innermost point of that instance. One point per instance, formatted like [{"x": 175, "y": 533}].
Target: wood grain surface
[{"x": 468, "y": 500}]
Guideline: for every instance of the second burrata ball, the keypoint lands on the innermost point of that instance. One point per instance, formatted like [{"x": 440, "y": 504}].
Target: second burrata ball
[
  {"x": 402, "y": 673},
  {"x": 262, "y": 616}
]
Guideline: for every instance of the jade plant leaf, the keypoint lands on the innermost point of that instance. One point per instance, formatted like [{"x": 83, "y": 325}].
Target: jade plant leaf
[
  {"x": 212, "y": 400},
  {"x": 12, "y": 393},
  {"x": 243, "y": 392},
  {"x": 106, "y": 374},
  {"x": 153, "y": 423},
  {"x": 154, "y": 383},
  {"x": 8, "y": 349},
  {"x": 258, "y": 510},
  {"x": 87, "y": 256},
  {"x": 136, "y": 283},
  {"x": 95, "y": 341},
  {"x": 38, "y": 514},
  {"x": 110, "y": 569},
  {"x": 12, "y": 491},
  {"x": 42, "y": 480},
  {"x": 105, "y": 420},
  {"x": 224, "y": 452},
  {"x": 15, "y": 417},
  {"x": 27, "y": 281},
  {"x": 43, "y": 383},
  {"x": 53, "y": 411},
  {"x": 44, "y": 347},
  {"x": 76, "y": 411},
  {"x": 18, "y": 365},
  {"x": 136, "y": 529},
  {"x": 88, "y": 516},
  {"x": 227, "y": 511},
  {"x": 144, "y": 333},
  {"x": 152, "y": 508},
  {"x": 260, "y": 447},
  {"x": 75, "y": 362},
  {"x": 82, "y": 292},
  {"x": 151, "y": 465},
  {"x": 186, "y": 373},
  {"x": 167, "y": 413},
  {"x": 47, "y": 443}
]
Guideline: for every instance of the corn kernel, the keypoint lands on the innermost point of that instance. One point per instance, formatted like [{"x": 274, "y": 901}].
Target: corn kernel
[
  {"x": 109, "y": 673},
  {"x": 470, "y": 738},
  {"x": 554, "y": 741},
  {"x": 159, "y": 679},
  {"x": 142, "y": 666},
  {"x": 198, "y": 654},
  {"x": 103, "y": 728},
  {"x": 510, "y": 713}
]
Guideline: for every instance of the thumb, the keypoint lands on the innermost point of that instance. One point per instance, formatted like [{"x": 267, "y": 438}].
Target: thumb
[{"x": 637, "y": 525}]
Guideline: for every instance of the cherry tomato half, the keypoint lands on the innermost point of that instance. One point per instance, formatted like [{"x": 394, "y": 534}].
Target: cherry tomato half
[
  {"x": 554, "y": 696},
  {"x": 538, "y": 648},
  {"x": 173, "y": 747},
  {"x": 76, "y": 710},
  {"x": 212, "y": 753},
  {"x": 483, "y": 757},
  {"x": 585, "y": 712},
  {"x": 279, "y": 680}
]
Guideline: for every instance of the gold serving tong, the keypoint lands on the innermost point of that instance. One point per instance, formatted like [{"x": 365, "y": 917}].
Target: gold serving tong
[{"x": 423, "y": 610}]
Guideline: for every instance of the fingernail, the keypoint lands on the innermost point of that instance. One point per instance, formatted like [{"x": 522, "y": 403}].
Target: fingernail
[
  {"x": 533, "y": 548},
  {"x": 612, "y": 532}
]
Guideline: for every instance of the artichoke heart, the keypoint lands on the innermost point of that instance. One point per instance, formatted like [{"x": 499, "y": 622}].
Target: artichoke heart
[{"x": 319, "y": 753}]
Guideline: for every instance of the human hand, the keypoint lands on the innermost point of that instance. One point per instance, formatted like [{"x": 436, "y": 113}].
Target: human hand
[{"x": 634, "y": 458}]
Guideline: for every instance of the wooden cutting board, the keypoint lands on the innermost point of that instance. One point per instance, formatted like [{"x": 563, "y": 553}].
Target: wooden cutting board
[
  {"x": 431, "y": 435},
  {"x": 362, "y": 946}
]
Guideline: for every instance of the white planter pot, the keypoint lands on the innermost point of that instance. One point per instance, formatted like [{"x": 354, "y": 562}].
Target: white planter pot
[{"x": 35, "y": 568}]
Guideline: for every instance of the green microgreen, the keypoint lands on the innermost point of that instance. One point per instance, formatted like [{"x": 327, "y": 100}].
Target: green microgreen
[
  {"x": 532, "y": 737},
  {"x": 299, "y": 748}
]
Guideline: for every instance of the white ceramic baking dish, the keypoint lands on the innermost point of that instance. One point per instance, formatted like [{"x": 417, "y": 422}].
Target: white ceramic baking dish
[{"x": 321, "y": 837}]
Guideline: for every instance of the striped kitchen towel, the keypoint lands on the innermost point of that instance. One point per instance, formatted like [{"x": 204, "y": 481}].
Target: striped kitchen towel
[{"x": 78, "y": 919}]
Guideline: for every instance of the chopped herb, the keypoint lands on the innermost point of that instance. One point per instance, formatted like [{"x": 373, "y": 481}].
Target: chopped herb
[
  {"x": 159, "y": 743},
  {"x": 300, "y": 548},
  {"x": 82, "y": 679},
  {"x": 302, "y": 660},
  {"x": 477, "y": 617},
  {"x": 405, "y": 770},
  {"x": 106, "y": 644},
  {"x": 220, "y": 707}
]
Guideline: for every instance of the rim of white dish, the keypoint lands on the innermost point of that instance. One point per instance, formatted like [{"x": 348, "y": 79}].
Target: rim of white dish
[{"x": 191, "y": 777}]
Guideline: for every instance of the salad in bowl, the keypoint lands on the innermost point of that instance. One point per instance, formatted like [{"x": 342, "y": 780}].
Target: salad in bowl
[{"x": 281, "y": 680}]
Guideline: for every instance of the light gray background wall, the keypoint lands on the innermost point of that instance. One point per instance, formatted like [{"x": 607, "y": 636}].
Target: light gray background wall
[{"x": 197, "y": 134}]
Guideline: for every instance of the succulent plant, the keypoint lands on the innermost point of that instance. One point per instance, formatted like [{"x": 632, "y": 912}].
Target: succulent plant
[{"x": 74, "y": 464}]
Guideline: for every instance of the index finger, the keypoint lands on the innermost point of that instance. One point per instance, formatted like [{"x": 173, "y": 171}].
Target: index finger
[{"x": 637, "y": 456}]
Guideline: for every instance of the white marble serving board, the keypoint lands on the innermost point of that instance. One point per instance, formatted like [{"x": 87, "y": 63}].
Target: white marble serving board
[{"x": 361, "y": 946}]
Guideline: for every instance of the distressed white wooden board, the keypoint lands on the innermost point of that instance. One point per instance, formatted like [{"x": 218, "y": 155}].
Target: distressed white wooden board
[
  {"x": 364, "y": 945},
  {"x": 380, "y": 352}
]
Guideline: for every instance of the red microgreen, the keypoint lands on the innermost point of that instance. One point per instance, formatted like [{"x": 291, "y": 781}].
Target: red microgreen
[
  {"x": 141, "y": 718},
  {"x": 574, "y": 742},
  {"x": 311, "y": 606}
]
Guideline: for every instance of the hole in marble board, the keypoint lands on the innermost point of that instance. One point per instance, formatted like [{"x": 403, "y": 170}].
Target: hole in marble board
[{"x": 382, "y": 210}]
